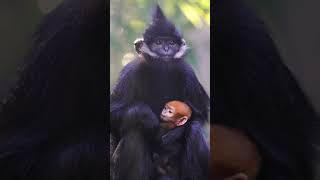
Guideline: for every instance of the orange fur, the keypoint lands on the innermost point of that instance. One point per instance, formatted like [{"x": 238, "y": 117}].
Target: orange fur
[{"x": 182, "y": 109}]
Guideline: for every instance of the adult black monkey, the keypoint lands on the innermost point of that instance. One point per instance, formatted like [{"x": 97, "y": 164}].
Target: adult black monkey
[
  {"x": 255, "y": 93},
  {"x": 53, "y": 124},
  {"x": 156, "y": 77}
]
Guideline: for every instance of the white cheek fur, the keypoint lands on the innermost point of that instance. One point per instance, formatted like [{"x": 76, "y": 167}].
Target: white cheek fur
[
  {"x": 182, "y": 51},
  {"x": 146, "y": 49}
]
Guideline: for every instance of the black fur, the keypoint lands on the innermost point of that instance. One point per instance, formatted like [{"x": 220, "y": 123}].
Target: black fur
[
  {"x": 167, "y": 152},
  {"x": 161, "y": 27},
  {"x": 53, "y": 123},
  {"x": 255, "y": 91},
  {"x": 142, "y": 90},
  {"x": 176, "y": 80}
]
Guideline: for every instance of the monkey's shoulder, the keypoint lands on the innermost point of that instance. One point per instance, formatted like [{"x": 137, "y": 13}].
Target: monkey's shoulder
[{"x": 131, "y": 67}]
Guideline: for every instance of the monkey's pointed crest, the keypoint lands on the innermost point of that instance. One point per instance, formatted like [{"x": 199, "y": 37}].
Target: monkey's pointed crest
[
  {"x": 160, "y": 26},
  {"x": 158, "y": 14}
]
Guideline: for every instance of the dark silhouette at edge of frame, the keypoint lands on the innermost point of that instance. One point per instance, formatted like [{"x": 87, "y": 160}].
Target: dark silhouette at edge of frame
[
  {"x": 254, "y": 91},
  {"x": 53, "y": 125}
]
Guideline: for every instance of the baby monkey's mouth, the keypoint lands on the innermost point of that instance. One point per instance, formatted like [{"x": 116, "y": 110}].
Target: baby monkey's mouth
[{"x": 163, "y": 118}]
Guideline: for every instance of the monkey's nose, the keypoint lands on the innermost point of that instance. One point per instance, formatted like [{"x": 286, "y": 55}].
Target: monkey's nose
[{"x": 166, "y": 48}]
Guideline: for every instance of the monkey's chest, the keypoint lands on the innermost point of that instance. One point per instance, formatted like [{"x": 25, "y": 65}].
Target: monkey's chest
[{"x": 162, "y": 89}]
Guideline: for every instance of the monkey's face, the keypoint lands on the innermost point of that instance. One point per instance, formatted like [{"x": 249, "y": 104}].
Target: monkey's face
[
  {"x": 168, "y": 114},
  {"x": 161, "y": 40},
  {"x": 164, "y": 47}
]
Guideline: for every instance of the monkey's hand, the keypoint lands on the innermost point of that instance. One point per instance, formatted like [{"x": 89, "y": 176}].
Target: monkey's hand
[
  {"x": 172, "y": 136},
  {"x": 140, "y": 117}
]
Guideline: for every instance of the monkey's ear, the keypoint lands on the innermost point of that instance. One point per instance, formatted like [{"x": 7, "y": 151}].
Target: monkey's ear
[
  {"x": 138, "y": 44},
  {"x": 181, "y": 121},
  {"x": 239, "y": 176}
]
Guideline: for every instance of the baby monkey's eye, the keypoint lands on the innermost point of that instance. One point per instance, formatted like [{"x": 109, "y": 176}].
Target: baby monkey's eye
[{"x": 171, "y": 42}]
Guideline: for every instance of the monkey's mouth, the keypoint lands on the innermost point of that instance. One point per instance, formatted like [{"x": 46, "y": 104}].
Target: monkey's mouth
[
  {"x": 167, "y": 57},
  {"x": 163, "y": 118}
]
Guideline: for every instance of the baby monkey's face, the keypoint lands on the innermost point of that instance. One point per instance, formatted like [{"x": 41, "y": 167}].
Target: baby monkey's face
[
  {"x": 168, "y": 113},
  {"x": 175, "y": 113}
]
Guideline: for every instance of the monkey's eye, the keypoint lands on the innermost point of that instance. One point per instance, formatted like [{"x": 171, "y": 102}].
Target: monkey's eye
[
  {"x": 158, "y": 42},
  {"x": 171, "y": 42},
  {"x": 170, "y": 111}
]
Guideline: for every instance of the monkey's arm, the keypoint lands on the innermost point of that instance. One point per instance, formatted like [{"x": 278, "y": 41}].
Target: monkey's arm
[
  {"x": 132, "y": 158},
  {"x": 196, "y": 157},
  {"x": 127, "y": 113},
  {"x": 196, "y": 96}
]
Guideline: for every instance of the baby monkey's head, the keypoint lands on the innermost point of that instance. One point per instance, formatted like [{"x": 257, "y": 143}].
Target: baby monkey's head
[{"x": 175, "y": 113}]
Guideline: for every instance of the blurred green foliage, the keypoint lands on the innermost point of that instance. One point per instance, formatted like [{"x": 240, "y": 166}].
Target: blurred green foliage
[{"x": 128, "y": 19}]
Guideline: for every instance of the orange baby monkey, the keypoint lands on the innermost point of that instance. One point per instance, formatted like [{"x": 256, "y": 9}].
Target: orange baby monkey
[
  {"x": 171, "y": 140},
  {"x": 175, "y": 113}
]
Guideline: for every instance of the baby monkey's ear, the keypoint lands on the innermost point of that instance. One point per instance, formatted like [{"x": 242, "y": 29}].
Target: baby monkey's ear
[
  {"x": 138, "y": 44},
  {"x": 238, "y": 176},
  {"x": 181, "y": 121}
]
